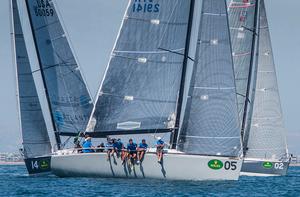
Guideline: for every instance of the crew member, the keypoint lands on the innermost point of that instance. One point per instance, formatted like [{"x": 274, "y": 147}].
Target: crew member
[
  {"x": 141, "y": 151},
  {"x": 160, "y": 144}
]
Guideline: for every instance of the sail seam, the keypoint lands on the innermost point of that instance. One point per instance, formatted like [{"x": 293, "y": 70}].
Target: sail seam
[
  {"x": 151, "y": 52},
  {"x": 201, "y": 137}
]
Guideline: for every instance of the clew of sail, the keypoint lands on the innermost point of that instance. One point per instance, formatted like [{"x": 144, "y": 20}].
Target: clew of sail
[
  {"x": 211, "y": 122},
  {"x": 142, "y": 81},
  {"x": 267, "y": 132},
  {"x": 34, "y": 132},
  {"x": 68, "y": 96}
]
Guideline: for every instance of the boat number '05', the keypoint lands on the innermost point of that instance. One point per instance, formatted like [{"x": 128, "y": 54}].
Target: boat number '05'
[
  {"x": 217, "y": 165},
  {"x": 230, "y": 165}
]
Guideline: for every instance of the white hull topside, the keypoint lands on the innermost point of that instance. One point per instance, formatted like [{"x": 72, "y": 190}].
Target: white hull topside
[{"x": 175, "y": 166}]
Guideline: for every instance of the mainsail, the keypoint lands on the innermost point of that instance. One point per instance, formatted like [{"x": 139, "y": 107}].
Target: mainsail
[
  {"x": 267, "y": 133},
  {"x": 211, "y": 123},
  {"x": 34, "y": 132},
  {"x": 242, "y": 21},
  {"x": 70, "y": 101},
  {"x": 142, "y": 81}
]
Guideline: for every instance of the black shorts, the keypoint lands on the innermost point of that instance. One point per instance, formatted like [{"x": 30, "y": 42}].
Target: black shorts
[{"x": 132, "y": 152}]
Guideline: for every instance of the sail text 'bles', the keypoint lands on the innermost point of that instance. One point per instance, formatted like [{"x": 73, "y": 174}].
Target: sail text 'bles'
[{"x": 142, "y": 81}]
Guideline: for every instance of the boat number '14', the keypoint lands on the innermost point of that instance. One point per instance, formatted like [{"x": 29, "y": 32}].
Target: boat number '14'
[{"x": 216, "y": 164}]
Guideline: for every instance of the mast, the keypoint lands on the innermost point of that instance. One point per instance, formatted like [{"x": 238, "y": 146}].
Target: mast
[
  {"x": 252, "y": 61},
  {"x": 57, "y": 137},
  {"x": 174, "y": 135}
]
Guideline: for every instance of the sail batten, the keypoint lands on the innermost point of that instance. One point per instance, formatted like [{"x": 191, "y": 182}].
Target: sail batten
[
  {"x": 141, "y": 84},
  {"x": 211, "y": 121},
  {"x": 267, "y": 132}
]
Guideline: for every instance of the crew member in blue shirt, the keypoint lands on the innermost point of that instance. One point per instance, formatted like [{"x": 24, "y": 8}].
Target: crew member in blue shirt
[
  {"x": 118, "y": 148},
  {"x": 109, "y": 147},
  {"x": 160, "y": 144},
  {"x": 141, "y": 151},
  {"x": 87, "y": 145},
  {"x": 131, "y": 149}
]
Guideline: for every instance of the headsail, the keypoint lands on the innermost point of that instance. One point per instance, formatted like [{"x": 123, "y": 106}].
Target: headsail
[
  {"x": 211, "y": 123},
  {"x": 267, "y": 133},
  {"x": 142, "y": 81},
  {"x": 69, "y": 99},
  {"x": 34, "y": 132}
]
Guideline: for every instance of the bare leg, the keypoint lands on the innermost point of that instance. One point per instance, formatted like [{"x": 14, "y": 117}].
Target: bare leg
[{"x": 142, "y": 155}]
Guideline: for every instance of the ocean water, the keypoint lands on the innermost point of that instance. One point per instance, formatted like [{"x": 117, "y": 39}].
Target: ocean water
[{"x": 14, "y": 181}]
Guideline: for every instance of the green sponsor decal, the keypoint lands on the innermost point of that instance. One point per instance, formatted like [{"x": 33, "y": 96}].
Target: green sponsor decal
[
  {"x": 267, "y": 165},
  {"x": 215, "y": 164},
  {"x": 44, "y": 164}
]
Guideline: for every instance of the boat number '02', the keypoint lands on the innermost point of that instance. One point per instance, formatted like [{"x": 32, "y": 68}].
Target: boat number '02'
[
  {"x": 217, "y": 165},
  {"x": 269, "y": 165}
]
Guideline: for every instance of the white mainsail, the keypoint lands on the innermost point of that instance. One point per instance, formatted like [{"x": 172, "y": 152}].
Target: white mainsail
[{"x": 267, "y": 139}]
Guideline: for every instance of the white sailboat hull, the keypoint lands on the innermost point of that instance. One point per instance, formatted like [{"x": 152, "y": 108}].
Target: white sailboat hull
[
  {"x": 263, "y": 167},
  {"x": 173, "y": 167}
]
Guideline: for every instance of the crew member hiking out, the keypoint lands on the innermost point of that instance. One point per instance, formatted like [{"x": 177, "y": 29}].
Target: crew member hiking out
[
  {"x": 119, "y": 149},
  {"x": 141, "y": 151},
  {"x": 109, "y": 147},
  {"x": 160, "y": 144},
  {"x": 131, "y": 151}
]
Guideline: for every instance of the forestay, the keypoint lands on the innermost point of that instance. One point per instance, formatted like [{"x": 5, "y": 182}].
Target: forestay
[
  {"x": 211, "y": 123},
  {"x": 34, "y": 133},
  {"x": 69, "y": 98},
  {"x": 142, "y": 80},
  {"x": 241, "y": 15},
  {"x": 267, "y": 133}
]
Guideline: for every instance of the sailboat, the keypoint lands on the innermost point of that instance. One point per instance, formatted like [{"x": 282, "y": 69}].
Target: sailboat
[
  {"x": 36, "y": 143},
  {"x": 266, "y": 152},
  {"x": 171, "y": 71},
  {"x": 53, "y": 71}
]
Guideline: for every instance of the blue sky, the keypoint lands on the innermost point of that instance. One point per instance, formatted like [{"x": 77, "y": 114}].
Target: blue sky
[{"x": 93, "y": 25}]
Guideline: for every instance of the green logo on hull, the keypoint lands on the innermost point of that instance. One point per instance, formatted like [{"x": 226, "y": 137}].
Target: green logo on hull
[
  {"x": 215, "y": 164},
  {"x": 44, "y": 164},
  {"x": 267, "y": 165}
]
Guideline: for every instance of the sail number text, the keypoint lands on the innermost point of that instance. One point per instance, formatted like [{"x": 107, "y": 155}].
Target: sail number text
[
  {"x": 145, "y": 6},
  {"x": 43, "y": 8}
]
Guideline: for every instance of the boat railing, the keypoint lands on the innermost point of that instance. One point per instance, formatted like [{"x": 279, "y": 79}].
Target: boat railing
[{"x": 107, "y": 149}]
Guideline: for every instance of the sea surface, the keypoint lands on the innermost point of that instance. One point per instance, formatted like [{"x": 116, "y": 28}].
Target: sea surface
[{"x": 14, "y": 181}]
